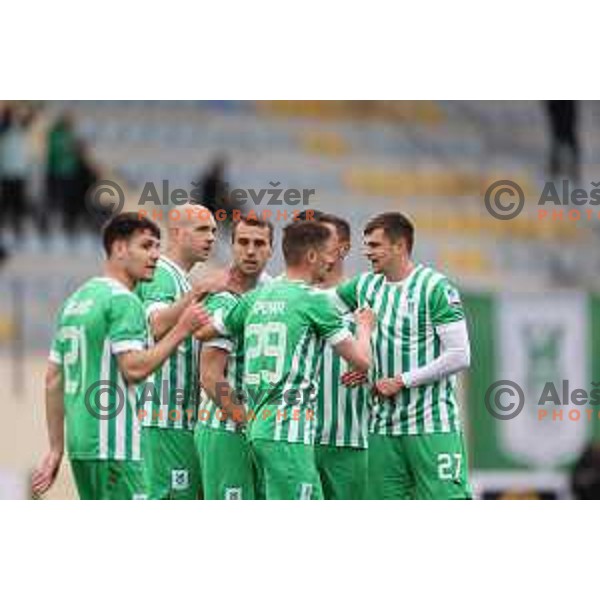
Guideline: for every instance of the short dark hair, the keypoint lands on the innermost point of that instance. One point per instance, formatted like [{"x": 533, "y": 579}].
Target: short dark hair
[
  {"x": 301, "y": 237},
  {"x": 254, "y": 222},
  {"x": 395, "y": 226},
  {"x": 123, "y": 226},
  {"x": 342, "y": 226}
]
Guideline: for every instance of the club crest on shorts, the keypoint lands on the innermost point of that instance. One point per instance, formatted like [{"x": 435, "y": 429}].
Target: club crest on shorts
[
  {"x": 233, "y": 493},
  {"x": 180, "y": 479},
  {"x": 305, "y": 492}
]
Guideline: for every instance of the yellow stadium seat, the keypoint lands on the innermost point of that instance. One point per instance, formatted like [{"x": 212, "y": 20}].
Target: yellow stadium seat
[
  {"x": 7, "y": 329},
  {"x": 329, "y": 143}
]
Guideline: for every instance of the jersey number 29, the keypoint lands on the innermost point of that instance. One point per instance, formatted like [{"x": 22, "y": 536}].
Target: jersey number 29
[{"x": 265, "y": 341}]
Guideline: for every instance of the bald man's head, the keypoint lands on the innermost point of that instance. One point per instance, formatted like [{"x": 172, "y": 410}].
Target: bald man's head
[
  {"x": 188, "y": 215},
  {"x": 191, "y": 231}
]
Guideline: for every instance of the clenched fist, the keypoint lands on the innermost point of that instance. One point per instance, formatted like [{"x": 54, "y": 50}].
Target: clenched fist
[{"x": 193, "y": 317}]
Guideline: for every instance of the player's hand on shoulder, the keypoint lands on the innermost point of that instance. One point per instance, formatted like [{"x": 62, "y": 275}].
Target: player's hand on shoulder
[
  {"x": 235, "y": 282},
  {"x": 212, "y": 282}
]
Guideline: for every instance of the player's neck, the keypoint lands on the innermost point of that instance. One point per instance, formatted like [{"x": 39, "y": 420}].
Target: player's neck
[
  {"x": 335, "y": 277},
  {"x": 175, "y": 256},
  {"x": 243, "y": 282},
  {"x": 119, "y": 274},
  {"x": 299, "y": 274},
  {"x": 400, "y": 272}
]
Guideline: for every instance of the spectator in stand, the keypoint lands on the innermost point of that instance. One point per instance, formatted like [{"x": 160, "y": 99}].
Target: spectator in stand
[
  {"x": 564, "y": 144},
  {"x": 62, "y": 167},
  {"x": 85, "y": 176},
  {"x": 16, "y": 164}
]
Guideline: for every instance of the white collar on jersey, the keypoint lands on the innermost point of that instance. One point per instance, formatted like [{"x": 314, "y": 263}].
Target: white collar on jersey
[
  {"x": 114, "y": 281},
  {"x": 416, "y": 268},
  {"x": 174, "y": 265}
]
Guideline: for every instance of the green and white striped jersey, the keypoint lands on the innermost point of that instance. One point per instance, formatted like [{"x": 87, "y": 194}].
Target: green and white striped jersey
[
  {"x": 99, "y": 321},
  {"x": 408, "y": 313},
  {"x": 285, "y": 325},
  {"x": 342, "y": 412},
  {"x": 209, "y": 414},
  {"x": 170, "y": 397}
]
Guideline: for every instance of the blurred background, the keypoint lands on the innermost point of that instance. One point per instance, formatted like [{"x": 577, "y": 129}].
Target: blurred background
[{"x": 529, "y": 285}]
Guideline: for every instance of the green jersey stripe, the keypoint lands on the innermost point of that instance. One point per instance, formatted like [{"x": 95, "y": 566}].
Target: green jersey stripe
[
  {"x": 112, "y": 423},
  {"x": 105, "y": 375},
  {"x": 296, "y": 381},
  {"x": 121, "y": 421},
  {"x": 309, "y": 423},
  {"x": 341, "y": 416},
  {"x": 135, "y": 424},
  {"x": 325, "y": 416},
  {"x": 413, "y": 348},
  {"x": 422, "y": 348},
  {"x": 401, "y": 421},
  {"x": 387, "y": 350},
  {"x": 428, "y": 422}
]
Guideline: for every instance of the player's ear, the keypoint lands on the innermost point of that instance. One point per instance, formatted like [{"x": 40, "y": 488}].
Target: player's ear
[
  {"x": 399, "y": 247},
  {"x": 119, "y": 249}
]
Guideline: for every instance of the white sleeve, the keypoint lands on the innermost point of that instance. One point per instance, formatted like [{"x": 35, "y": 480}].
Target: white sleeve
[
  {"x": 455, "y": 356},
  {"x": 219, "y": 342}
]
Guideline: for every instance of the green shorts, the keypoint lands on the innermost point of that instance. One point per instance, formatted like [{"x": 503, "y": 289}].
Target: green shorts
[
  {"x": 286, "y": 471},
  {"x": 170, "y": 464},
  {"x": 226, "y": 467},
  {"x": 430, "y": 466},
  {"x": 108, "y": 479},
  {"x": 343, "y": 472}
]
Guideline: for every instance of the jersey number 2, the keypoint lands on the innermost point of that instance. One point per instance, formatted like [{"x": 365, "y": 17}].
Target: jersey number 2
[{"x": 74, "y": 358}]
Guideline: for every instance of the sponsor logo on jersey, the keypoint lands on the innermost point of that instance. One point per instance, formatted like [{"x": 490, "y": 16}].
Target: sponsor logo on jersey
[
  {"x": 453, "y": 297},
  {"x": 75, "y": 308}
]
